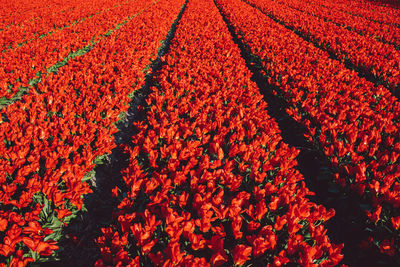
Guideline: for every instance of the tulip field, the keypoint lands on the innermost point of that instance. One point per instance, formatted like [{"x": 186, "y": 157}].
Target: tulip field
[{"x": 199, "y": 133}]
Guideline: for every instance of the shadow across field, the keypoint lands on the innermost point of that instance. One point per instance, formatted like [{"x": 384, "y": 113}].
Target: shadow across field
[
  {"x": 100, "y": 204},
  {"x": 348, "y": 224}
]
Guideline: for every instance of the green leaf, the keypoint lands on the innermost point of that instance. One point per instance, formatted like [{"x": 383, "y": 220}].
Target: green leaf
[
  {"x": 88, "y": 176},
  {"x": 99, "y": 159},
  {"x": 4, "y": 101}
]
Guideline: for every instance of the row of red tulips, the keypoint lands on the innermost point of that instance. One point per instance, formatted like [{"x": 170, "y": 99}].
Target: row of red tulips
[
  {"x": 51, "y": 138},
  {"x": 18, "y": 11},
  {"x": 19, "y": 66},
  {"x": 385, "y": 33},
  {"x": 369, "y": 55},
  {"x": 49, "y": 20},
  {"x": 354, "y": 123},
  {"x": 364, "y": 9},
  {"x": 210, "y": 181}
]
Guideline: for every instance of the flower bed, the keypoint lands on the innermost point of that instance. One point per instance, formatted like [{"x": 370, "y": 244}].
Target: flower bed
[
  {"x": 53, "y": 137},
  {"x": 382, "y": 61},
  {"x": 354, "y": 123},
  {"x": 23, "y": 67},
  {"x": 209, "y": 179}
]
